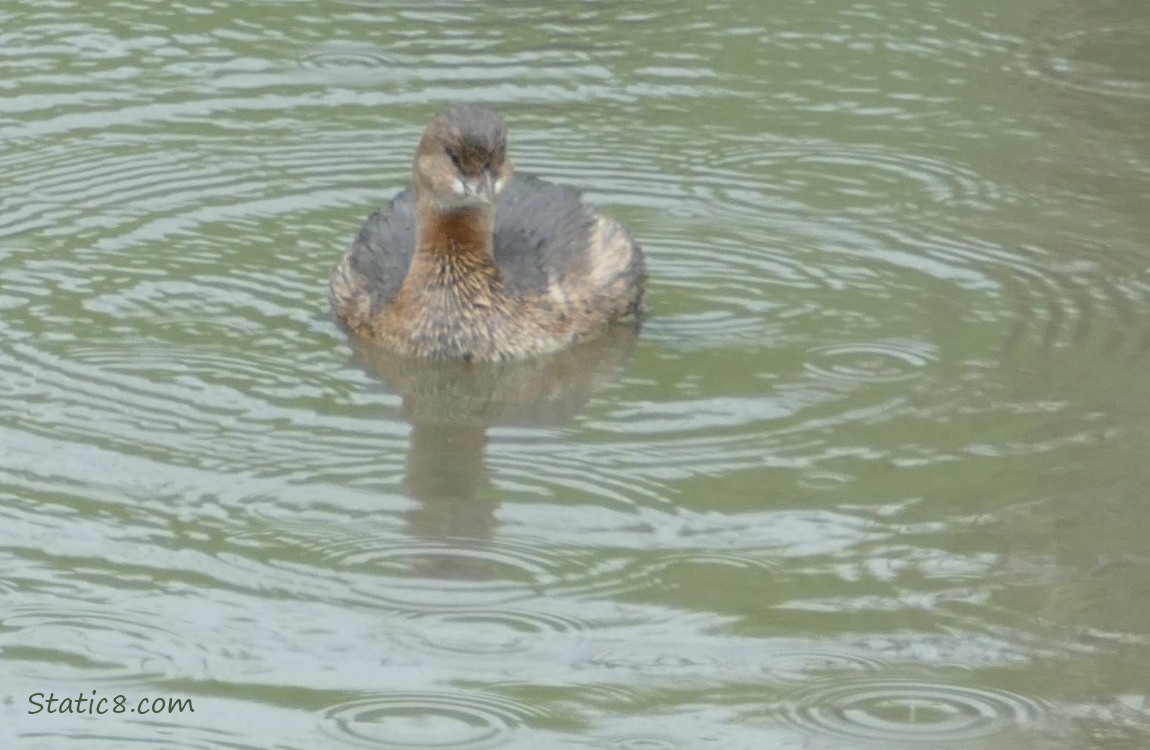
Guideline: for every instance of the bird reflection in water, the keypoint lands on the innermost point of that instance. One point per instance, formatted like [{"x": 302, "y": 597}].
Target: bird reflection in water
[{"x": 451, "y": 405}]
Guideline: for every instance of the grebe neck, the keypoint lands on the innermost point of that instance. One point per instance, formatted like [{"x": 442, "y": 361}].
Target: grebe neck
[
  {"x": 462, "y": 234},
  {"x": 454, "y": 265}
]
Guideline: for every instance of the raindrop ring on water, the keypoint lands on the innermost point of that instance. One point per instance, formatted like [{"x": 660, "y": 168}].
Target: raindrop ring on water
[
  {"x": 900, "y": 710},
  {"x": 872, "y": 362},
  {"x": 427, "y": 720}
]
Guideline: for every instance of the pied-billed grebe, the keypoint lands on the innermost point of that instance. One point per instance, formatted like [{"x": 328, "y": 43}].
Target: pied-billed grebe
[{"x": 471, "y": 264}]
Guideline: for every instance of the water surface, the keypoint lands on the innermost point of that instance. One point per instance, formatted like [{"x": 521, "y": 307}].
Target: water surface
[{"x": 873, "y": 475}]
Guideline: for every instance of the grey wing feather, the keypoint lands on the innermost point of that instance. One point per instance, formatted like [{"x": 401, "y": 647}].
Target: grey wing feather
[
  {"x": 542, "y": 230},
  {"x": 383, "y": 249}
]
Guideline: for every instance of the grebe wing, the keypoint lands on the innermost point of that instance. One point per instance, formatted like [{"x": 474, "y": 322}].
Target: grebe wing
[
  {"x": 383, "y": 249},
  {"x": 543, "y": 231}
]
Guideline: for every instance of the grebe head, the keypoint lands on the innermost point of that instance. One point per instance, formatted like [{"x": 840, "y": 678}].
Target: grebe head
[{"x": 462, "y": 158}]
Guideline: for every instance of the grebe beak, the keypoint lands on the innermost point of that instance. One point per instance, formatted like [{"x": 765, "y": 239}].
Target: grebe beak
[
  {"x": 479, "y": 191},
  {"x": 485, "y": 187}
]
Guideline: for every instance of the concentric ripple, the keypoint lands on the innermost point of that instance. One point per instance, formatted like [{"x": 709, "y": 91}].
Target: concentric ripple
[
  {"x": 90, "y": 643},
  {"x": 911, "y": 711},
  {"x": 455, "y": 574},
  {"x": 876, "y": 175},
  {"x": 877, "y": 362},
  {"x": 799, "y": 665},
  {"x": 427, "y": 720},
  {"x": 1094, "y": 61},
  {"x": 487, "y": 634},
  {"x": 898, "y": 269},
  {"x": 347, "y": 54}
]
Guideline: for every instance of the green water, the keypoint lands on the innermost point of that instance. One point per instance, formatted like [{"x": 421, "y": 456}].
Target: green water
[{"x": 873, "y": 475}]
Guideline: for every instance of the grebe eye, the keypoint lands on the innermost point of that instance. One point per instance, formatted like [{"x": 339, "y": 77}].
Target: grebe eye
[{"x": 454, "y": 157}]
